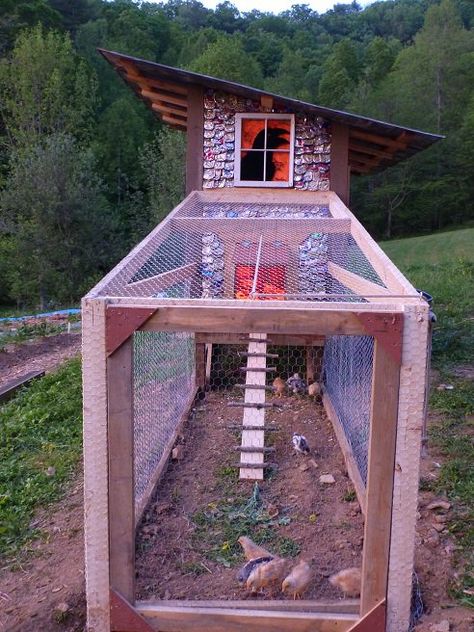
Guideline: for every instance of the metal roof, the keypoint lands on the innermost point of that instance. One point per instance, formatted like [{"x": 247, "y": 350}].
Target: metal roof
[{"x": 373, "y": 145}]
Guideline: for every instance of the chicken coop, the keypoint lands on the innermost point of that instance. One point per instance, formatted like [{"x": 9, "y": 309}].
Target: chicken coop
[{"x": 261, "y": 272}]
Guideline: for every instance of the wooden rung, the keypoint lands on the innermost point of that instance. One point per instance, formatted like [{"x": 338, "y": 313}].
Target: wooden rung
[
  {"x": 241, "y": 428},
  {"x": 257, "y": 355},
  {"x": 254, "y": 405},
  {"x": 255, "y": 387},
  {"x": 254, "y": 449},
  {"x": 262, "y": 340},
  {"x": 254, "y": 466},
  {"x": 267, "y": 369}
]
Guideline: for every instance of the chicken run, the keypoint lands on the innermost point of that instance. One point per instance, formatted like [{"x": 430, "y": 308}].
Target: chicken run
[{"x": 254, "y": 382}]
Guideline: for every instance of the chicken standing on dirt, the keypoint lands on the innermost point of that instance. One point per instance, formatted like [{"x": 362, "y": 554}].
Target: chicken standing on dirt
[
  {"x": 267, "y": 575},
  {"x": 314, "y": 389},
  {"x": 348, "y": 580},
  {"x": 300, "y": 443},
  {"x": 296, "y": 384},
  {"x": 251, "y": 550},
  {"x": 246, "y": 570},
  {"x": 298, "y": 580},
  {"x": 279, "y": 386}
]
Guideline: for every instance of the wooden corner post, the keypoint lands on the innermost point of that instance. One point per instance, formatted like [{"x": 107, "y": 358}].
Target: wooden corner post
[
  {"x": 380, "y": 472},
  {"x": 121, "y": 477}
]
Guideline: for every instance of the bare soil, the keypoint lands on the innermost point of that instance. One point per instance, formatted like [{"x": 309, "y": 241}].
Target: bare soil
[
  {"x": 46, "y": 354},
  {"x": 328, "y": 529}
]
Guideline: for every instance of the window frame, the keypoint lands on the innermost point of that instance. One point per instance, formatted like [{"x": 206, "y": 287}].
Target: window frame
[{"x": 239, "y": 117}]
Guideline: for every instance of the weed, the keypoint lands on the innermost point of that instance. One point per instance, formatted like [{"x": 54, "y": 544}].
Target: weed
[
  {"x": 41, "y": 427},
  {"x": 349, "y": 496}
]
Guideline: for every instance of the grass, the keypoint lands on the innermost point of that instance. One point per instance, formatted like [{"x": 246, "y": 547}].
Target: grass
[
  {"x": 221, "y": 523},
  {"x": 40, "y": 443},
  {"x": 443, "y": 265}
]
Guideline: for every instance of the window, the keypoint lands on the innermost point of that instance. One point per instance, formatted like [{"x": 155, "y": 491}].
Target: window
[{"x": 264, "y": 150}]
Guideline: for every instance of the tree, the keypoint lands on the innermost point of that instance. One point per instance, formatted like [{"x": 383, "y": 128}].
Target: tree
[
  {"x": 163, "y": 163},
  {"x": 16, "y": 15},
  {"x": 58, "y": 231},
  {"x": 341, "y": 72},
  {"x": 227, "y": 59},
  {"x": 46, "y": 89}
]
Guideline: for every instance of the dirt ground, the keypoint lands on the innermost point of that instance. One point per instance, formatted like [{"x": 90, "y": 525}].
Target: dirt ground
[
  {"x": 42, "y": 353},
  {"x": 49, "y": 574},
  {"x": 328, "y": 529}
]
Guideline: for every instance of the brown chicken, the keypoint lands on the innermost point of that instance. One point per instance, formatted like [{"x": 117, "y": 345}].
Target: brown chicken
[
  {"x": 279, "y": 386},
  {"x": 251, "y": 550},
  {"x": 298, "y": 580},
  {"x": 348, "y": 580},
  {"x": 314, "y": 389},
  {"x": 267, "y": 575}
]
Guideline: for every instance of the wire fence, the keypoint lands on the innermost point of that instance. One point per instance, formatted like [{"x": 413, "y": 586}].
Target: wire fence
[
  {"x": 347, "y": 379},
  {"x": 163, "y": 385}
]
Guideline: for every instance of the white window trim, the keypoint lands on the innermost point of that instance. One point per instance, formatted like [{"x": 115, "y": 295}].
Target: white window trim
[{"x": 238, "y": 139}]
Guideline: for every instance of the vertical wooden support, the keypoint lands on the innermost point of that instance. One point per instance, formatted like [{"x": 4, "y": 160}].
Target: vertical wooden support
[
  {"x": 310, "y": 368},
  {"x": 194, "y": 139},
  {"x": 208, "y": 363},
  {"x": 200, "y": 354},
  {"x": 96, "y": 526},
  {"x": 382, "y": 441},
  {"x": 121, "y": 479},
  {"x": 340, "y": 173}
]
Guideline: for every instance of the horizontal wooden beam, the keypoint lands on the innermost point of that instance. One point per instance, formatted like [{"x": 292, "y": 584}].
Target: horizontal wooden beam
[
  {"x": 384, "y": 141},
  {"x": 340, "y": 606},
  {"x": 171, "y": 111},
  {"x": 173, "y": 121},
  {"x": 245, "y": 319},
  {"x": 277, "y": 339},
  {"x": 162, "y": 97},
  {"x": 202, "y": 619},
  {"x": 361, "y": 148},
  {"x": 356, "y": 283},
  {"x": 296, "y": 228}
]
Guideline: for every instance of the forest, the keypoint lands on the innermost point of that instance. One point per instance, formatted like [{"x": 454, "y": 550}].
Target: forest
[{"x": 86, "y": 171}]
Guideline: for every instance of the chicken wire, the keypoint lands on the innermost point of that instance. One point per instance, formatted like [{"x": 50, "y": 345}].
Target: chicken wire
[
  {"x": 347, "y": 379},
  {"x": 239, "y": 250},
  {"x": 163, "y": 388}
]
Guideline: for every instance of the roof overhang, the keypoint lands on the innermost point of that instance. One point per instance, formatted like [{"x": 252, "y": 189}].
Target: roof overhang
[{"x": 373, "y": 145}]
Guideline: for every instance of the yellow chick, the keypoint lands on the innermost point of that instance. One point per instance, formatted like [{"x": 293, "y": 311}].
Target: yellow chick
[
  {"x": 279, "y": 386},
  {"x": 348, "y": 580},
  {"x": 314, "y": 389},
  {"x": 298, "y": 580},
  {"x": 251, "y": 550},
  {"x": 267, "y": 575}
]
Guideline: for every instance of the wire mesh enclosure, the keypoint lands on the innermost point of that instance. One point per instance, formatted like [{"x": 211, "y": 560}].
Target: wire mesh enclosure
[{"x": 284, "y": 315}]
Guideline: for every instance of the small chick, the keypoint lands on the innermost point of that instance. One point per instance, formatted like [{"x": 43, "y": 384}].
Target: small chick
[
  {"x": 296, "y": 384},
  {"x": 252, "y": 551},
  {"x": 247, "y": 568},
  {"x": 298, "y": 580},
  {"x": 348, "y": 580},
  {"x": 267, "y": 575},
  {"x": 300, "y": 444},
  {"x": 314, "y": 389},
  {"x": 279, "y": 386}
]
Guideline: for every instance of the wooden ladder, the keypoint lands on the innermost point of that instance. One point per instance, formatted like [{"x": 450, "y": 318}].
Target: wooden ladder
[{"x": 252, "y": 450}]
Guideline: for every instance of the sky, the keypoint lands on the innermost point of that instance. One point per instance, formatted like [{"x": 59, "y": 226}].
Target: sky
[{"x": 277, "y": 6}]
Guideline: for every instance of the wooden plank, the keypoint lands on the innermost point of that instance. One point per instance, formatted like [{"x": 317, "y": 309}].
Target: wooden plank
[
  {"x": 208, "y": 363},
  {"x": 121, "y": 478},
  {"x": 163, "y": 97},
  {"x": 310, "y": 368},
  {"x": 347, "y": 452},
  {"x": 162, "y": 281},
  {"x": 285, "y": 229},
  {"x": 380, "y": 473},
  {"x": 339, "y": 606},
  {"x": 373, "y": 621},
  {"x": 259, "y": 317},
  {"x": 277, "y": 339},
  {"x": 8, "y": 390},
  {"x": 266, "y": 103},
  {"x": 202, "y": 619},
  {"x": 384, "y": 141},
  {"x": 174, "y": 122},
  {"x": 253, "y": 448},
  {"x": 362, "y": 148},
  {"x": 153, "y": 482},
  {"x": 180, "y": 115},
  {"x": 195, "y": 139},
  {"x": 255, "y": 386},
  {"x": 265, "y": 195},
  {"x": 247, "y": 427},
  {"x": 124, "y": 617},
  {"x": 360, "y": 286},
  {"x": 340, "y": 181},
  {"x": 200, "y": 355}
]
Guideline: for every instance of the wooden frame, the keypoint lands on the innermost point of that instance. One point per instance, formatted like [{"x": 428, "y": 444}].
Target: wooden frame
[{"x": 241, "y": 116}]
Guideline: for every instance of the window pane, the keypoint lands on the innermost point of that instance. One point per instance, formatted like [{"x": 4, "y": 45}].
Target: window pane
[
  {"x": 253, "y": 133},
  {"x": 251, "y": 165},
  {"x": 278, "y": 134},
  {"x": 278, "y": 166}
]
